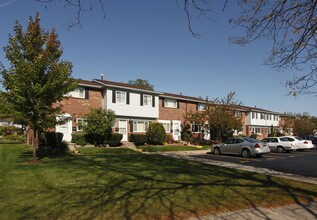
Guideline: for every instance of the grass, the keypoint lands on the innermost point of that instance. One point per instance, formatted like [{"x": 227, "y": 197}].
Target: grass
[
  {"x": 104, "y": 150},
  {"x": 149, "y": 148},
  {"x": 131, "y": 186}
]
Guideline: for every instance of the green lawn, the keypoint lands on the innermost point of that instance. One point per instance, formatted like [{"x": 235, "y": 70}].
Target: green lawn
[
  {"x": 131, "y": 186},
  {"x": 149, "y": 148}
]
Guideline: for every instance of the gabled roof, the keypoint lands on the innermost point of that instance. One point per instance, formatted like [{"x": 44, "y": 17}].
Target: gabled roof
[
  {"x": 111, "y": 84},
  {"x": 182, "y": 97}
]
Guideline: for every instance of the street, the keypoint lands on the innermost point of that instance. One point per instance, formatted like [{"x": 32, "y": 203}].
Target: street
[{"x": 300, "y": 162}]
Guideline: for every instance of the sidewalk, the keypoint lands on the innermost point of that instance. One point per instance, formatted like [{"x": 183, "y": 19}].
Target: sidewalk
[
  {"x": 291, "y": 212},
  {"x": 294, "y": 212}
]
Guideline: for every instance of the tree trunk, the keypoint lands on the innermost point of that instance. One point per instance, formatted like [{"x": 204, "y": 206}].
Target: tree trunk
[{"x": 34, "y": 144}]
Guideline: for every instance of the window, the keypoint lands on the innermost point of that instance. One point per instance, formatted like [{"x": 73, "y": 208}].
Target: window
[
  {"x": 265, "y": 140},
  {"x": 171, "y": 103},
  {"x": 196, "y": 128},
  {"x": 258, "y": 130},
  {"x": 237, "y": 114},
  {"x": 253, "y": 115},
  {"x": 270, "y": 117},
  {"x": 147, "y": 100},
  {"x": 80, "y": 124},
  {"x": 78, "y": 93},
  {"x": 121, "y": 97},
  {"x": 229, "y": 141},
  {"x": 261, "y": 116},
  {"x": 201, "y": 107},
  {"x": 140, "y": 126},
  {"x": 167, "y": 127}
]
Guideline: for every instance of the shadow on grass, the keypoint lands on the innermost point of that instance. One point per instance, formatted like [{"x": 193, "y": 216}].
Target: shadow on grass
[{"x": 138, "y": 186}]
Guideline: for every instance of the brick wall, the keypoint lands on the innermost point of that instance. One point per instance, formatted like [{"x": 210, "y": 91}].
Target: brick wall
[
  {"x": 78, "y": 107},
  {"x": 166, "y": 113}
]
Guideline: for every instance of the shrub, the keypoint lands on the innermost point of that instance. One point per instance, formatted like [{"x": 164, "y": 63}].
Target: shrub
[
  {"x": 115, "y": 140},
  {"x": 98, "y": 126},
  {"x": 156, "y": 133},
  {"x": 52, "y": 140},
  {"x": 15, "y": 137},
  {"x": 186, "y": 134},
  {"x": 138, "y": 139},
  {"x": 79, "y": 138}
]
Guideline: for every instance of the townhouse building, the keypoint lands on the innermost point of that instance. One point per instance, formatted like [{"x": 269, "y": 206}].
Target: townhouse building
[
  {"x": 259, "y": 121},
  {"x": 136, "y": 107}
]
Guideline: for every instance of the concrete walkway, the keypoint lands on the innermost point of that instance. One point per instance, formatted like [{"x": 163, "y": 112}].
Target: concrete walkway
[{"x": 296, "y": 211}]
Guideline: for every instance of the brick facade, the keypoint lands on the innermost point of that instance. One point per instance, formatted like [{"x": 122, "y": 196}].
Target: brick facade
[{"x": 78, "y": 107}]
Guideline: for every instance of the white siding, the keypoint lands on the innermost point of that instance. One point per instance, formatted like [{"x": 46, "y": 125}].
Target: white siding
[
  {"x": 261, "y": 122},
  {"x": 134, "y": 109}
]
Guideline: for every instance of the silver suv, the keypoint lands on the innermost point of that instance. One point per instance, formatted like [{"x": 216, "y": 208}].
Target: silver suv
[{"x": 279, "y": 144}]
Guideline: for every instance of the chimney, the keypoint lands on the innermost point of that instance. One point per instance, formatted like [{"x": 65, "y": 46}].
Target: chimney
[
  {"x": 101, "y": 76},
  {"x": 181, "y": 93}
]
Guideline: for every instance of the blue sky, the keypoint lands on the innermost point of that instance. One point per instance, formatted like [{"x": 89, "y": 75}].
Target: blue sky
[{"x": 150, "y": 40}]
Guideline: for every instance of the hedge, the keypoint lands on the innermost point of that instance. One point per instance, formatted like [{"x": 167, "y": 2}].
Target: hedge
[{"x": 138, "y": 139}]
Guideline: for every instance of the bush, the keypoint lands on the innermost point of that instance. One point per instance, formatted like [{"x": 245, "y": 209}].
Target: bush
[
  {"x": 52, "y": 140},
  {"x": 138, "y": 139},
  {"x": 98, "y": 126},
  {"x": 115, "y": 140},
  {"x": 186, "y": 134},
  {"x": 15, "y": 137},
  {"x": 156, "y": 133},
  {"x": 79, "y": 138}
]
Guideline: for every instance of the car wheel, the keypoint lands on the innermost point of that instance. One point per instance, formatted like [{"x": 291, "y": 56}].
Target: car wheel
[
  {"x": 280, "y": 149},
  {"x": 217, "y": 151},
  {"x": 246, "y": 153}
]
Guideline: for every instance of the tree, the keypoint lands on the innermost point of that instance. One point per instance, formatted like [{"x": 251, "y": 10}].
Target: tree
[
  {"x": 142, "y": 83},
  {"x": 291, "y": 25},
  {"x": 219, "y": 117},
  {"x": 98, "y": 126},
  {"x": 36, "y": 78},
  {"x": 303, "y": 124}
]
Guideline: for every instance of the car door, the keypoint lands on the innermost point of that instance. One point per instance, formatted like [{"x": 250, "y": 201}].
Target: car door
[
  {"x": 273, "y": 143},
  {"x": 226, "y": 147},
  {"x": 237, "y": 146}
]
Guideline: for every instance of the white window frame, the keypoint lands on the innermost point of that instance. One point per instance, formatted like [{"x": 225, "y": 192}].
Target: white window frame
[
  {"x": 78, "y": 92},
  {"x": 147, "y": 100},
  {"x": 201, "y": 106},
  {"x": 121, "y": 97},
  {"x": 78, "y": 121},
  {"x": 145, "y": 124},
  {"x": 166, "y": 124},
  {"x": 237, "y": 114},
  {"x": 170, "y": 103},
  {"x": 199, "y": 128}
]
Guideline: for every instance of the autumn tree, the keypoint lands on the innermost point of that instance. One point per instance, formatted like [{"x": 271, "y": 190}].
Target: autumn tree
[
  {"x": 36, "y": 77},
  {"x": 219, "y": 117},
  {"x": 142, "y": 83}
]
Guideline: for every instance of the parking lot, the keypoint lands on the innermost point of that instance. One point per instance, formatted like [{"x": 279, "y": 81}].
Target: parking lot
[{"x": 300, "y": 162}]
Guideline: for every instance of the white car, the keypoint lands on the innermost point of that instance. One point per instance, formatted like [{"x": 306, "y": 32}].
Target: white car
[
  {"x": 280, "y": 144},
  {"x": 300, "y": 142}
]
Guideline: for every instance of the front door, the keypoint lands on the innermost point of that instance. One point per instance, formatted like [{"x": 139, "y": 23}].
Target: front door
[
  {"x": 176, "y": 130},
  {"x": 66, "y": 128},
  {"x": 123, "y": 129}
]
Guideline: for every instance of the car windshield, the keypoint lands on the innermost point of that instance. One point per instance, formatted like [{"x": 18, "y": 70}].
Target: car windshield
[
  {"x": 298, "y": 138},
  {"x": 284, "y": 139},
  {"x": 250, "y": 140}
]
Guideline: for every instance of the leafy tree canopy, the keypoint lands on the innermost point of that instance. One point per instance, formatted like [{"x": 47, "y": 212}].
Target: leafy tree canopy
[
  {"x": 36, "y": 78},
  {"x": 142, "y": 83}
]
